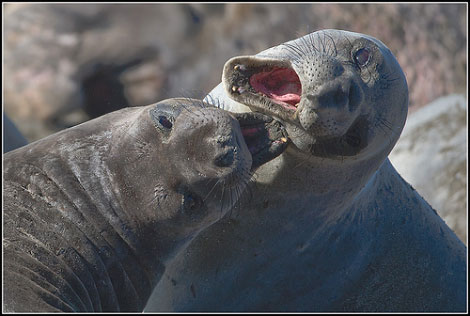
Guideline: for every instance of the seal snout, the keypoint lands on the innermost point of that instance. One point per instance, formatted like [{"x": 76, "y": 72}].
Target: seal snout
[
  {"x": 318, "y": 95},
  {"x": 228, "y": 150},
  {"x": 332, "y": 95},
  {"x": 327, "y": 105}
]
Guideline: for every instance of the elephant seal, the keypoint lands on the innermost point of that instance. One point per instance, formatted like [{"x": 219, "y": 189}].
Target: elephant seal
[
  {"x": 94, "y": 213},
  {"x": 334, "y": 227}
]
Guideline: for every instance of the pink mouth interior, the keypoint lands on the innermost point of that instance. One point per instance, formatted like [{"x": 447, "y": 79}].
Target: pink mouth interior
[
  {"x": 250, "y": 132},
  {"x": 279, "y": 84}
]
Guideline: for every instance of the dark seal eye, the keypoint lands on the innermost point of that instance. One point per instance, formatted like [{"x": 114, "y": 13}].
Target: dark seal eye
[
  {"x": 164, "y": 118},
  {"x": 165, "y": 122},
  {"x": 362, "y": 57}
]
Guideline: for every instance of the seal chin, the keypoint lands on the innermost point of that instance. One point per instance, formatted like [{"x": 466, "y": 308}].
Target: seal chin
[{"x": 351, "y": 143}]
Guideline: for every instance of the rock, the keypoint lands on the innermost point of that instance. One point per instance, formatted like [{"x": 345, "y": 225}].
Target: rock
[{"x": 431, "y": 156}]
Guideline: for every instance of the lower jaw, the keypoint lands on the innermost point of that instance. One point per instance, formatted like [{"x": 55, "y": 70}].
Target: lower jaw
[{"x": 265, "y": 138}]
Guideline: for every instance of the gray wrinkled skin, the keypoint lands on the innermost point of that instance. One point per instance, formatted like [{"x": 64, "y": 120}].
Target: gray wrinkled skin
[
  {"x": 328, "y": 230},
  {"x": 93, "y": 214}
]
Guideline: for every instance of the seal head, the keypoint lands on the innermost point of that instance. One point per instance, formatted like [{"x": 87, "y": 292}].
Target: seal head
[
  {"x": 340, "y": 94},
  {"x": 95, "y": 213},
  {"x": 209, "y": 157}
]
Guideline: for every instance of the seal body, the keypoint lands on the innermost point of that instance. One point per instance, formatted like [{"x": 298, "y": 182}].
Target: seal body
[
  {"x": 93, "y": 214},
  {"x": 333, "y": 226}
]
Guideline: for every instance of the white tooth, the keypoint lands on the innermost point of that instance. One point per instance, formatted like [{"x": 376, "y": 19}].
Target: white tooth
[
  {"x": 234, "y": 88},
  {"x": 236, "y": 67}
]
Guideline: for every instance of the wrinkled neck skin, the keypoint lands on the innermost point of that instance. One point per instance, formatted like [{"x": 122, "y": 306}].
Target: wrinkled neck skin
[
  {"x": 116, "y": 248},
  {"x": 126, "y": 201},
  {"x": 156, "y": 236},
  {"x": 317, "y": 180},
  {"x": 147, "y": 236}
]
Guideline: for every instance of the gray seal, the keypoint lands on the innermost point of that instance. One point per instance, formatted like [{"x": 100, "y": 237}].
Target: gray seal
[
  {"x": 334, "y": 226},
  {"x": 93, "y": 214}
]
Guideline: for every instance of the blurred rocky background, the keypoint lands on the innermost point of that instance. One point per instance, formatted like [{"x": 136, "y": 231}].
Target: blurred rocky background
[{"x": 67, "y": 63}]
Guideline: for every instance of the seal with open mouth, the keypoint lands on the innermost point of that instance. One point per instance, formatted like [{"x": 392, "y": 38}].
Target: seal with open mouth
[
  {"x": 94, "y": 214},
  {"x": 322, "y": 88},
  {"x": 333, "y": 227}
]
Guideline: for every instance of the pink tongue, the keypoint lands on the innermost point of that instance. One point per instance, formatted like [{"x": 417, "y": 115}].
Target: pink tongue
[{"x": 280, "y": 84}]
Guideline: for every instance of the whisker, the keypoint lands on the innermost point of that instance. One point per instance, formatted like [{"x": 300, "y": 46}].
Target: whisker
[
  {"x": 222, "y": 200},
  {"x": 294, "y": 50},
  {"x": 237, "y": 197},
  {"x": 322, "y": 43},
  {"x": 334, "y": 45},
  {"x": 313, "y": 48},
  {"x": 185, "y": 107},
  {"x": 209, "y": 99},
  {"x": 215, "y": 102},
  {"x": 231, "y": 197},
  {"x": 305, "y": 46},
  {"x": 213, "y": 187}
]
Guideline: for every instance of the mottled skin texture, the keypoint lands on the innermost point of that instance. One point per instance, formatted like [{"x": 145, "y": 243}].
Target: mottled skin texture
[
  {"x": 93, "y": 214},
  {"x": 329, "y": 230}
]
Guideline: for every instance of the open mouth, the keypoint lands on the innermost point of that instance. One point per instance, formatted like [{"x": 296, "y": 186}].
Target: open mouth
[
  {"x": 272, "y": 87},
  {"x": 265, "y": 137},
  {"x": 282, "y": 85},
  {"x": 268, "y": 86}
]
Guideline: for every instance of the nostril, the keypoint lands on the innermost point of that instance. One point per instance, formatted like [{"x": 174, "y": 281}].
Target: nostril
[
  {"x": 225, "y": 159},
  {"x": 339, "y": 97},
  {"x": 354, "y": 97},
  {"x": 334, "y": 98}
]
